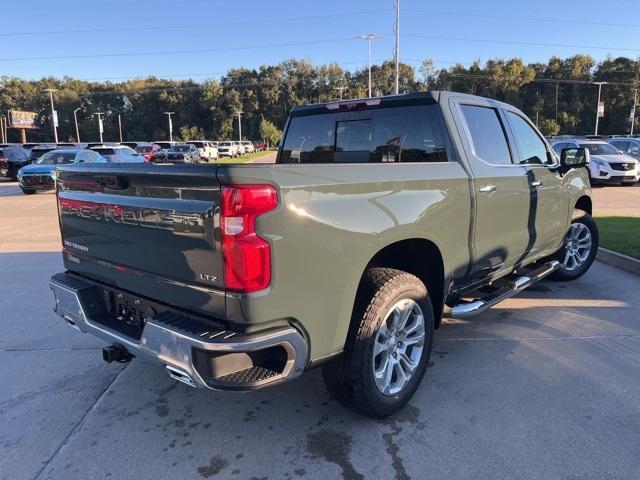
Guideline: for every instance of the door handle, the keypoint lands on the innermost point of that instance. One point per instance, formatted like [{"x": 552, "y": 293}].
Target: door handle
[
  {"x": 487, "y": 189},
  {"x": 537, "y": 183}
]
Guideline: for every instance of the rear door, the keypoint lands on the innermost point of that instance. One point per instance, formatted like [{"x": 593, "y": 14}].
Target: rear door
[
  {"x": 503, "y": 210},
  {"x": 152, "y": 230}
]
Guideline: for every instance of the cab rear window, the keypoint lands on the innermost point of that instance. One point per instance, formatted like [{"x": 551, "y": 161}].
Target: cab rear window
[{"x": 384, "y": 135}]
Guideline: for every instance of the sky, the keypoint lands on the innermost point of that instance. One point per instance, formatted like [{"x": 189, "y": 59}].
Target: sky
[{"x": 120, "y": 39}]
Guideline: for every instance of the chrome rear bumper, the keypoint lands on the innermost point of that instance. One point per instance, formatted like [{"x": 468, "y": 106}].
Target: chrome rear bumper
[{"x": 193, "y": 351}]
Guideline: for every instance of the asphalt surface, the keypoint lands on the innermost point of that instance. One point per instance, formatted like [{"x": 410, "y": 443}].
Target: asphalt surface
[{"x": 544, "y": 385}]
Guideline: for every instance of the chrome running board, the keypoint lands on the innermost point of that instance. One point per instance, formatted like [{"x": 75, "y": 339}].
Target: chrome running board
[{"x": 473, "y": 307}]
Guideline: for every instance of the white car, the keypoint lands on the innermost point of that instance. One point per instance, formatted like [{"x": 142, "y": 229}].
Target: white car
[
  {"x": 206, "y": 149},
  {"x": 248, "y": 147},
  {"x": 608, "y": 164},
  {"x": 228, "y": 149},
  {"x": 240, "y": 148}
]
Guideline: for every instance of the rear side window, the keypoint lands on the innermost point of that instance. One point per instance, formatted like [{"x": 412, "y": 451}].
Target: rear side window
[
  {"x": 487, "y": 134},
  {"x": 395, "y": 134}
]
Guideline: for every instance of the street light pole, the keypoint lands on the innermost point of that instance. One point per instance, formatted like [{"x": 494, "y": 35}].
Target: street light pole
[
  {"x": 633, "y": 110},
  {"x": 396, "y": 50},
  {"x": 368, "y": 37},
  {"x": 53, "y": 114},
  {"x": 598, "y": 105},
  {"x": 120, "y": 127},
  {"x": 168, "y": 114},
  {"x": 239, "y": 125},
  {"x": 100, "y": 129},
  {"x": 75, "y": 119}
]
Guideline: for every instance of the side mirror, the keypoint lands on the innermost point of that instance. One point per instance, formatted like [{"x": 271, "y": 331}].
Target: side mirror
[{"x": 575, "y": 157}]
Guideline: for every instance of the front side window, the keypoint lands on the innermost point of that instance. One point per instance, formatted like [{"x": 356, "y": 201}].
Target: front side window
[
  {"x": 487, "y": 134},
  {"x": 531, "y": 147}
]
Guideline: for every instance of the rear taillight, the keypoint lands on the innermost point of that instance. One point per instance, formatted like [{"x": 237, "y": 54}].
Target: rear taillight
[{"x": 246, "y": 256}]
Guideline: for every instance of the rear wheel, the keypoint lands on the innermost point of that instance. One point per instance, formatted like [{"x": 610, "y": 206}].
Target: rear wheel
[
  {"x": 628, "y": 184},
  {"x": 28, "y": 191},
  {"x": 388, "y": 345},
  {"x": 579, "y": 249}
]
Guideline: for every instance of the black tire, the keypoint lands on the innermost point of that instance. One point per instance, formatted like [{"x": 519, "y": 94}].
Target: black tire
[
  {"x": 628, "y": 184},
  {"x": 350, "y": 378},
  {"x": 565, "y": 274},
  {"x": 28, "y": 191}
]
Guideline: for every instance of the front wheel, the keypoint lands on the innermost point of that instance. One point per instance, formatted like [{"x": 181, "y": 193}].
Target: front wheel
[
  {"x": 628, "y": 184},
  {"x": 28, "y": 191},
  {"x": 388, "y": 345},
  {"x": 579, "y": 249}
]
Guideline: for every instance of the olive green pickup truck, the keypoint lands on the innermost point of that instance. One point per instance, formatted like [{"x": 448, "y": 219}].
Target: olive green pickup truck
[{"x": 380, "y": 216}]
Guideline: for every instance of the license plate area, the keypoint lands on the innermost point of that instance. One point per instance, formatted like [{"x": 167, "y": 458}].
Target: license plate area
[{"x": 125, "y": 313}]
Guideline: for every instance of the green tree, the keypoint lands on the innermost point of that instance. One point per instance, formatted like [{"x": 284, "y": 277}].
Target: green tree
[
  {"x": 191, "y": 133},
  {"x": 269, "y": 132},
  {"x": 548, "y": 126}
]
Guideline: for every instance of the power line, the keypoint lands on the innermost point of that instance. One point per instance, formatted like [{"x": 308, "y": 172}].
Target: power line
[
  {"x": 510, "y": 42},
  {"x": 529, "y": 19},
  {"x": 177, "y": 52},
  {"x": 196, "y": 25}
]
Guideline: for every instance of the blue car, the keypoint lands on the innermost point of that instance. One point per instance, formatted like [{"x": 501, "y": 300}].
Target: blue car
[{"x": 41, "y": 175}]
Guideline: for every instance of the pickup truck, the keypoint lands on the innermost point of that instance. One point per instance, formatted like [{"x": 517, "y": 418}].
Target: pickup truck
[{"x": 380, "y": 217}]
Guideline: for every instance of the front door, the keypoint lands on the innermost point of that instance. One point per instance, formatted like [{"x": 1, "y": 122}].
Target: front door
[
  {"x": 502, "y": 213},
  {"x": 549, "y": 200}
]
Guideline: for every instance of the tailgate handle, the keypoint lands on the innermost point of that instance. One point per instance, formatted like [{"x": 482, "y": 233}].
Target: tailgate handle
[{"x": 113, "y": 182}]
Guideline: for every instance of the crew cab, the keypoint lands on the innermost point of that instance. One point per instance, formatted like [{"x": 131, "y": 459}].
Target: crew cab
[{"x": 380, "y": 216}]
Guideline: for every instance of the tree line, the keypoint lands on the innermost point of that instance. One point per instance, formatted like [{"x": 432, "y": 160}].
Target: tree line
[{"x": 559, "y": 95}]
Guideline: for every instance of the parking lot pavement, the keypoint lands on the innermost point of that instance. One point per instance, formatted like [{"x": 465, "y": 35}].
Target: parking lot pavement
[
  {"x": 542, "y": 386},
  {"x": 614, "y": 200}
]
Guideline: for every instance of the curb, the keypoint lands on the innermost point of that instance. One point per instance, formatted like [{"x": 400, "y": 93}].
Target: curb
[{"x": 623, "y": 262}]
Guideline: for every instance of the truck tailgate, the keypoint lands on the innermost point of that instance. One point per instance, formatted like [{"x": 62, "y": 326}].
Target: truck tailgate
[{"x": 152, "y": 230}]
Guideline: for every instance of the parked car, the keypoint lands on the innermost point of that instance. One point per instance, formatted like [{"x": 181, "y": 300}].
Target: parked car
[
  {"x": 240, "y": 148},
  {"x": 259, "y": 146},
  {"x": 248, "y": 147},
  {"x": 152, "y": 153},
  {"x": 41, "y": 175},
  {"x": 434, "y": 199},
  {"x": 39, "y": 150},
  {"x": 135, "y": 145},
  {"x": 228, "y": 149},
  {"x": 12, "y": 159},
  {"x": 206, "y": 149},
  {"x": 627, "y": 145},
  {"x": 608, "y": 164},
  {"x": 119, "y": 154},
  {"x": 183, "y": 153}
]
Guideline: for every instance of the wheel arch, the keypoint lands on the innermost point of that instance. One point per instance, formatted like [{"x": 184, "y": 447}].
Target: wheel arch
[
  {"x": 585, "y": 204},
  {"x": 418, "y": 256}
]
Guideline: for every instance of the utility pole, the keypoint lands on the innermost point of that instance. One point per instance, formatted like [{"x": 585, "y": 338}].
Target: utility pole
[
  {"x": 75, "y": 119},
  {"x": 100, "y": 126},
  {"x": 2, "y": 130},
  {"x": 633, "y": 109},
  {"x": 120, "y": 127},
  {"x": 557, "y": 83},
  {"x": 239, "y": 113},
  {"x": 168, "y": 114},
  {"x": 340, "y": 89},
  {"x": 54, "y": 115},
  {"x": 598, "y": 105},
  {"x": 368, "y": 37},
  {"x": 396, "y": 50}
]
